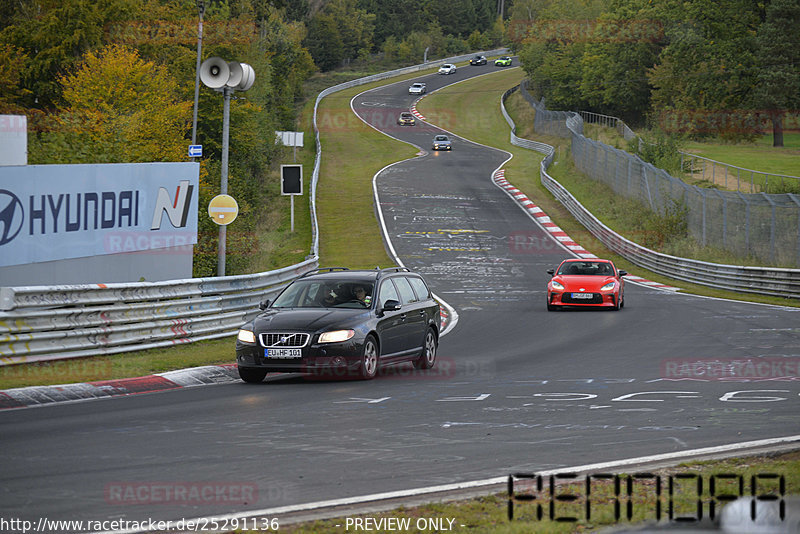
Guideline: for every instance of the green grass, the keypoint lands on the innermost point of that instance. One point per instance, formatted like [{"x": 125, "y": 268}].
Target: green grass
[
  {"x": 759, "y": 156},
  {"x": 124, "y": 365},
  {"x": 490, "y": 513}
]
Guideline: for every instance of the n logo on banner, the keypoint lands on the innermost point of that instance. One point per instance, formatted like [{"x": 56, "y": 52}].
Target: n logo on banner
[{"x": 177, "y": 211}]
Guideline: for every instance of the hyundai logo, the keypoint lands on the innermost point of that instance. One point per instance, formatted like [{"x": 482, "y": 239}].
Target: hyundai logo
[{"x": 12, "y": 215}]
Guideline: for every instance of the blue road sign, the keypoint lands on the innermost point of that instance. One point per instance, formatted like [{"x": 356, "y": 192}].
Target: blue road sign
[{"x": 195, "y": 151}]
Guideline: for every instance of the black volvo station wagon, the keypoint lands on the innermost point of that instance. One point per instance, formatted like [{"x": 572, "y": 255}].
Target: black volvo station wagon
[{"x": 341, "y": 323}]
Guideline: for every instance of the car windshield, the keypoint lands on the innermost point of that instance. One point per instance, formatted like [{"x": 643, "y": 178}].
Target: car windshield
[
  {"x": 416, "y": 85},
  {"x": 585, "y": 268},
  {"x": 328, "y": 293},
  {"x": 405, "y": 115},
  {"x": 440, "y": 138}
]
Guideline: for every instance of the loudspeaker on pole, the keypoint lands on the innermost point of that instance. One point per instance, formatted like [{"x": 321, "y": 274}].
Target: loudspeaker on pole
[
  {"x": 236, "y": 73},
  {"x": 214, "y": 72},
  {"x": 248, "y": 78}
]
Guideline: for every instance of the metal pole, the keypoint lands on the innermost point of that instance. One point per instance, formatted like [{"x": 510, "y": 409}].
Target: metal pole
[
  {"x": 202, "y": 8},
  {"x": 223, "y": 188},
  {"x": 294, "y": 158}
]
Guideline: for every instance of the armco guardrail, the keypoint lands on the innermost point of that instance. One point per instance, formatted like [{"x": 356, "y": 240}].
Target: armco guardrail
[
  {"x": 40, "y": 323},
  {"x": 57, "y": 322},
  {"x": 760, "y": 280}
]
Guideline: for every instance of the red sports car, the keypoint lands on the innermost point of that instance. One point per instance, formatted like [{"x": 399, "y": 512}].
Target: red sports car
[{"x": 586, "y": 282}]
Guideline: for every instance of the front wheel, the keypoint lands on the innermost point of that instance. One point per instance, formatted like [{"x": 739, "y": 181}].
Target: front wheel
[
  {"x": 427, "y": 359},
  {"x": 369, "y": 359},
  {"x": 252, "y": 376}
]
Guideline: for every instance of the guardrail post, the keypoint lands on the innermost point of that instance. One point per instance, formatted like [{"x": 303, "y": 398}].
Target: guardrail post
[
  {"x": 746, "y": 222},
  {"x": 724, "y": 217},
  {"x": 703, "y": 194},
  {"x": 771, "y": 228}
]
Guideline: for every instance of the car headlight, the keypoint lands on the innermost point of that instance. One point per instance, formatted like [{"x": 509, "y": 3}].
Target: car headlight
[
  {"x": 556, "y": 285},
  {"x": 336, "y": 336},
  {"x": 608, "y": 287},
  {"x": 246, "y": 336}
]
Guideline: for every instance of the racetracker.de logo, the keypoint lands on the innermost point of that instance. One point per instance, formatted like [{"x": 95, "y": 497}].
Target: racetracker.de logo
[
  {"x": 744, "y": 369},
  {"x": 192, "y": 493}
]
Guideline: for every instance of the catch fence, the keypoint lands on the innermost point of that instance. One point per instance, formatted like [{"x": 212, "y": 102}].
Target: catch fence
[
  {"x": 761, "y": 280},
  {"x": 763, "y": 226}
]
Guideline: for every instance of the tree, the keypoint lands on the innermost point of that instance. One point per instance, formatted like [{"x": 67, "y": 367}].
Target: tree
[
  {"x": 54, "y": 35},
  {"x": 621, "y": 48},
  {"x": 324, "y": 42},
  {"x": 11, "y": 92},
  {"x": 356, "y": 26},
  {"x": 708, "y": 65},
  {"x": 456, "y": 17},
  {"x": 396, "y": 19},
  {"x": 552, "y": 45},
  {"x": 118, "y": 108},
  {"x": 779, "y": 63}
]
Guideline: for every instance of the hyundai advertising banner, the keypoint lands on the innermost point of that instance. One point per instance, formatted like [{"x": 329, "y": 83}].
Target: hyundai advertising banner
[{"x": 56, "y": 212}]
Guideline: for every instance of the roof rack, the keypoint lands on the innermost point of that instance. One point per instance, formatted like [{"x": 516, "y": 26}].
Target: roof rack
[
  {"x": 323, "y": 270},
  {"x": 389, "y": 270}
]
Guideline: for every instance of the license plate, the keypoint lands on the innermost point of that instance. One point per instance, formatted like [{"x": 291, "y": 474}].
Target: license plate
[
  {"x": 587, "y": 296},
  {"x": 284, "y": 353}
]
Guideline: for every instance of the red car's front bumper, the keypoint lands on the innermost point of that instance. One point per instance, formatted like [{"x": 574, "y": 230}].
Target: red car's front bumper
[{"x": 608, "y": 299}]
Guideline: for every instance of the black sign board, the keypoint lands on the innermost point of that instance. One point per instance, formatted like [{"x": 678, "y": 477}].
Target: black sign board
[{"x": 291, "y": 179}]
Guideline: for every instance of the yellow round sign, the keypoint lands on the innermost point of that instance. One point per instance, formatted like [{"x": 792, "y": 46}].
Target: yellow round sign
[{"x": 223, "y": 209}]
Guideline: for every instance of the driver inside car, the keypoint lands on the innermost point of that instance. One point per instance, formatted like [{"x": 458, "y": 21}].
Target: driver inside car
[{"x": 360, "y": 294}]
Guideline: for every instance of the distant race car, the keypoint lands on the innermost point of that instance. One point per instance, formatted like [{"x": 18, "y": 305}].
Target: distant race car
[
  {"x": 406, "y": 119},
  {"x": 586, "y": 282},
  {"x": 447, "y": 68},
  {"x": 442, "y": 142},
  {"x": 478, "y": 60},
  {"x": 417, "y": 88},
  {"x": 504, "y": 61}
]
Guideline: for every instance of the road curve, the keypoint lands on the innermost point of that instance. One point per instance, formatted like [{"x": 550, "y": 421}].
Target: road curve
[{"x": 516, "y": 388}]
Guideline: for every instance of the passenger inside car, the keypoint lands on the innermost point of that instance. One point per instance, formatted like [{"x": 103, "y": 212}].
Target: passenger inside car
[{"x": 329, "y": 297}]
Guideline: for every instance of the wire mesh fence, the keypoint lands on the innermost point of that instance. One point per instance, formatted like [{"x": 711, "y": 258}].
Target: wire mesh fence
[{"x": 761, "y": 225}]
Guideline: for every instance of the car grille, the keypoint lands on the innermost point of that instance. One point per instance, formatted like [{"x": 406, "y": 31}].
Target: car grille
[
  {"x": 296, "y": 339},
  {"x": 597, "y": 298}
]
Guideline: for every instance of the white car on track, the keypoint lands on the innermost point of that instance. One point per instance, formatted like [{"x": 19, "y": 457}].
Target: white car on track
[
  {"x": 447, "y": 68},
  {"x": 417, "y": 89}
]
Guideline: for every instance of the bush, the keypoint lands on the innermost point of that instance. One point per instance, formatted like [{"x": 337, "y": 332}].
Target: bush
[{"x": 658, "y": 149}]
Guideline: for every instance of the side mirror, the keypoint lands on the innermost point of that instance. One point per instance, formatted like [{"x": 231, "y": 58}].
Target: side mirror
[
  {"x": 623, "y": 273},
  {"x": 551, "y": 272},
  {"x": 263, "y": 305},
  {"x": 390, "y": 305}
]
